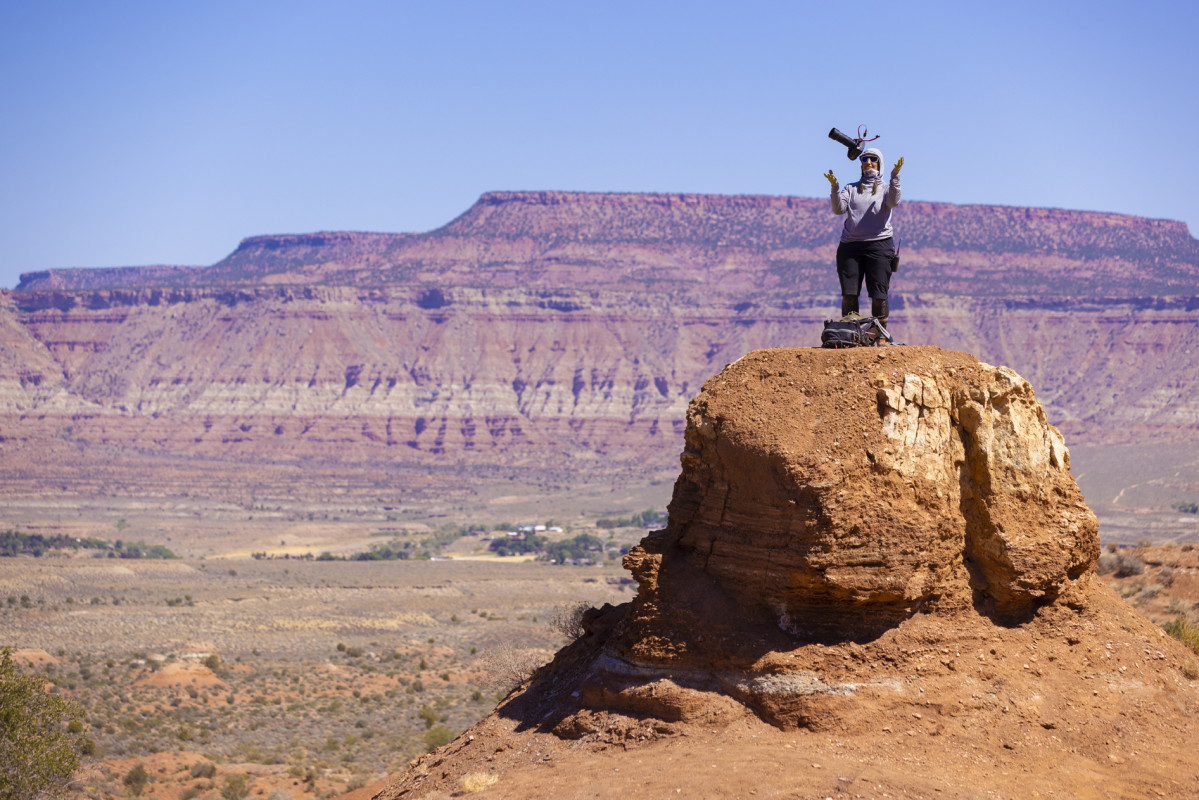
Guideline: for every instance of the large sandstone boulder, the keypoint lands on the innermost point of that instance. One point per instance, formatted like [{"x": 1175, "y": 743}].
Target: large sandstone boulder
[{"x": 834, "y": 493}]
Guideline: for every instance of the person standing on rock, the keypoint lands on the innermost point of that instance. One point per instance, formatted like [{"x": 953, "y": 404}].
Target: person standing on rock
[{"x": 866, "y": 250}]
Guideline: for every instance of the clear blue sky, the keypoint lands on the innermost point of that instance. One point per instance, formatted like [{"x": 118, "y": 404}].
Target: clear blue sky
[{"x": 163, "y": 133}]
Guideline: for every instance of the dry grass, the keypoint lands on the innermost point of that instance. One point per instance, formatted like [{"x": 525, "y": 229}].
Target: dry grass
[
  {"x": 477, "y": 781},
  {"x": 1185, "y": 631},
  {"x": 568, "y": 620},
  {"x": 507, "y": 666},
  {"x": 325, "y": 673},
  {"x": 1122, "y": 565}
]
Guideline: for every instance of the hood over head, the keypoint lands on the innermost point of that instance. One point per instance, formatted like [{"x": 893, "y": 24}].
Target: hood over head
[{"x": 874, "y": 151}]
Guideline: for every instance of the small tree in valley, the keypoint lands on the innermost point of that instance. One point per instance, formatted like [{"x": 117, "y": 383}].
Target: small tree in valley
[{"x": 38, "y": 752}]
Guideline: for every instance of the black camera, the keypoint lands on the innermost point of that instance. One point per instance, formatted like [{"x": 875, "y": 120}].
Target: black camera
[{"x": 856, "y": 146}]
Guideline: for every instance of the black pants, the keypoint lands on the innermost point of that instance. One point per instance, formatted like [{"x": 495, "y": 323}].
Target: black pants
[{"x": 869, "y": 261}]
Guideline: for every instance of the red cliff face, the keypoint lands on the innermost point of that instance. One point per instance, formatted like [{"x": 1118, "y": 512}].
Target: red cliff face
[{"x": 563, "y": 333}]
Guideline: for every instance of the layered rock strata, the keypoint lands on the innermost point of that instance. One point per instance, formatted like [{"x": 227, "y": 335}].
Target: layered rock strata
[
  {"x": 553, "y": 331},
  {"x": 494, "y": 379},
  {"x": 837, "y": 493}
]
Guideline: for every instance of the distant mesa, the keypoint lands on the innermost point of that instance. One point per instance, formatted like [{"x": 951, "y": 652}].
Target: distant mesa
[
  {"x": 538, "y": 332},
  {"x": 575, "y": 240}
]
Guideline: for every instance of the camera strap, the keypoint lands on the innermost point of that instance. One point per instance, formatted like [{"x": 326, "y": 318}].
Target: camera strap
[{"x": 861, "y": 137}]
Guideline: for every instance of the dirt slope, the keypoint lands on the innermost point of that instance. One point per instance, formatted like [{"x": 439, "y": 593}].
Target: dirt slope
[{"x": 878, "y": 580}]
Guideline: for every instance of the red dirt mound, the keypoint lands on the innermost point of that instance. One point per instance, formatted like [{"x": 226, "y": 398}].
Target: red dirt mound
[{"x": 878, "y": 579}]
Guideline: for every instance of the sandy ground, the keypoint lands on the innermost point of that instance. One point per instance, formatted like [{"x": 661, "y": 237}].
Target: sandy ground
[{"x": 918, "y": 759}]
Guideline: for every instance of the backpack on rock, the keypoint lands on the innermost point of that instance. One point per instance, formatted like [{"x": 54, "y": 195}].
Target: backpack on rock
[{"x": 854, "y": 330}]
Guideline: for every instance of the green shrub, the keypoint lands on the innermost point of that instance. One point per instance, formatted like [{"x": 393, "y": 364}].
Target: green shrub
[
  {"x": 135, "y": 780},
  {"x": 438, "y": 736},
  {"x": 236, "y": 787},
  {"x": 38, "y": 754}
]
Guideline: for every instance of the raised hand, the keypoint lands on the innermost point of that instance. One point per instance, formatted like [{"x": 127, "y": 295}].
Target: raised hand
[
  {"x": 898, "y": 166},
  {"x": 833, "y": 178}
]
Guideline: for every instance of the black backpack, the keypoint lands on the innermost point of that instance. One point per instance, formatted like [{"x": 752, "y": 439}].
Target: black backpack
[{"x": 854, "y": 331}]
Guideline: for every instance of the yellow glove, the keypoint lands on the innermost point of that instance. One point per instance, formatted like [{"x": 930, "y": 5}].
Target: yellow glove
[
  {"x": 833, "y": 178},
  {"x": 898, "y": 166}
]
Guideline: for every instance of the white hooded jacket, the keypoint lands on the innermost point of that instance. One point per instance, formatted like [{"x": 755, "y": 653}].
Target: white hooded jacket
[{"x": 868, "y": 208}]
